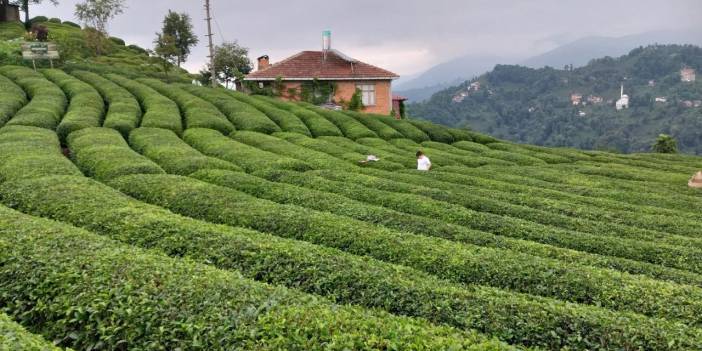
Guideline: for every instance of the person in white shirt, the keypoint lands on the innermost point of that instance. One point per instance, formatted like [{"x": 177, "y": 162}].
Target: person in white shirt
[{"x": 423, "y": 163}]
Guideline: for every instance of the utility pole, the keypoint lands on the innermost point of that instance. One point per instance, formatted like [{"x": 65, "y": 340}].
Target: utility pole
[{"x": 209, "y": 37}]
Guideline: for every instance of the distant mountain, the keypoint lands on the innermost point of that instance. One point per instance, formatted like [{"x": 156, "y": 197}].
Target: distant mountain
[
  {"x": 558, "y": 107},
  {"x": 578, "y": 53}
]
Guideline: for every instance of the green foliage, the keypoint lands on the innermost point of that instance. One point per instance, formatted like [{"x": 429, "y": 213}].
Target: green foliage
[
  {"x": 383, "y": 130},
  {"x": 179, "y": 27},
  {"x": 350, "y": 127},
  {"x": 198, "y": 113},
  {"x": 11, "y": 30},
  {"x": 171, "y": 153},
  {"x": 85, "y": 108},
  {"x": 318, "y": 125},
  {"x": 71, "y": 24},
  {"x": 38, "y": 19},
  {"x": 14, "y": 337},
  {"x": 356, "y": 103},
  {"x": 408, "y": 130},
  {"x": 231, "y": 61},
  {"x": 117, "y": 41},
  {"x": 123, "y": 111},
  {"x": 11, "y": 99},
  {"x": 103, "y": 154},
  {"x": 287, "y": 121},
  {"x": 166, "y": 49},
  {"x": 97, "y": 13},
  {"x": 665, "y": 144},
  {"x": 317, "y": 92},
  {"x": 436, "y": 132},
  {"x": 159, "y": 111},
  {"x": 47, "y": 101}
]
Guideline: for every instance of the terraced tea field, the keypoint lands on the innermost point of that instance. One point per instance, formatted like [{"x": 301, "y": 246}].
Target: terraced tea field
[{"x": 140, "y": 215}]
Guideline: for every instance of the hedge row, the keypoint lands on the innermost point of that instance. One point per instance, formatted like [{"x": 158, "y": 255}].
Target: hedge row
[
  {"x": 460, "y": 134},
  {"x": 243, "y": 116},
  {"x": 123, "y": 110},
  {"x": 103, "y": 154},
  {"x": 316, "y": 159},
  {"x": 14, "y": 337},
  {"x": 519, "y": 159},
  {"x": 382, "y": 153},
  {"x": 685, "y": 258},
  {"x": 336, "y": 150},
  {"x": 573, "y": 154},
  {"x": 383, "y": 130},
  {"x": 198, "y": 113},
  {"x": 318, "y": 125},
  {"x": 159, "y": 111},
  {"x": 171, "y": 153},
  {"x": 516, "y": 149},
  {"x": 30, "y": 152},
  {"x": 351, "y": 128},
  {"x": 434, "y": 131},
  {"x": 408, "y": 130},
  {"x": 47, "y": 102},
  {"x": 85, "y": 105},
  {"x": 287, "y": 121},
  {"x": 11, "y": 100},
  {"x": 440, "y": 155},
  {"x": 342, "y": 277},
  {"x": 469, "y": 264},
  {"x": 92, "y": 293},
  {"x": 213, "y": 143}
]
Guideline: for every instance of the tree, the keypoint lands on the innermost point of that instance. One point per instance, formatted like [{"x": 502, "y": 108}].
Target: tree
[
  {"x": 356, "y": 103},
  {"x": 24, "y": 6},
  {"x": 180, "y": 28},
  {"x": 231, "y": 61},
  {"x": 665, "y": 144},
  {"x": 166, "y": 50},
  {"x": 96, "y": 13}
]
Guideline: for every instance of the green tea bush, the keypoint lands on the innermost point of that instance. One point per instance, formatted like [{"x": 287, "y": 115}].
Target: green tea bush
[
  {"x": 14, "y": 337},
  {"x": 171, "y": 153},
  {"x": 316, "y": 159},
  {"x": 71, "y": 24},
  {"x": 103, "y": 154},
  {"x": 213, "y": 143},
  {"x": 117, "y": 41},
  {"x": 318, "y": 125},
  {"x": 383, "y": 130},
  {"x": 123, "y": 111},
  {"x": 11, "y": 100},
  {"x": 38, "y": 19},
  {"x": 55, "y": 20},
  {"x": 85, "y": 108},
  {"x": 516, "y": 149},
  {"x": 105, "y": 294},
  {"x": 350, "y": 127},
  {"x": 47, "y": 101},
  {"x": 519, "y": 159},
  {"x": 338, "y": 151},
  {"x": 441, "y": 157},
  {"x": 408, "y": 130},
  {"x": 242, "y": 115},
  {"x": 468, "y": 264},
  {"x": 287, "y": 121},
  {"x": 393, "y": 154},
  {"x": 198, "y": 113},
  {"x": 31, "y": 152},
  {"x": 436, "y": 132},
  {"x": 159, "y": 111}
]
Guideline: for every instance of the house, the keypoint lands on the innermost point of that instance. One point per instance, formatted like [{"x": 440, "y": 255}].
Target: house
[
  {"x": 594, "y": 99},
  {"x": 623, "y": 101},
  {"x": 687, "y": 75},
  {"x": 344, "y": 74},
  {"x": 398, "y": 105},
  {"x": 576, "y": 98},
  {"x": 661, "y": 99},
  {"x": 9, "y": 12}
]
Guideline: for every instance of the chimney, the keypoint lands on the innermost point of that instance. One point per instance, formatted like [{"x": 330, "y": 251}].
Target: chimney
[
  {"x": 263, "y": 62},
  {"x": 326, "y": 42}
]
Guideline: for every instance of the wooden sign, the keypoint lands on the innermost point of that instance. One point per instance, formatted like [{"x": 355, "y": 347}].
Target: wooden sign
[{"x": 39, "y": 51}]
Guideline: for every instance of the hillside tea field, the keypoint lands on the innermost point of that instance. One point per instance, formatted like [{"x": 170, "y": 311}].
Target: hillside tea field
[{"x": 142, "y": 215}]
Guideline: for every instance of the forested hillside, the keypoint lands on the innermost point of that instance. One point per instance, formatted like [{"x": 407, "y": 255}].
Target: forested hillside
[{"x": 537, "y": 105}]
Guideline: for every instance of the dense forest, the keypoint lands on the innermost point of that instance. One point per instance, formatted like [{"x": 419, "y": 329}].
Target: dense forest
[{"x": 576, "y": 106}]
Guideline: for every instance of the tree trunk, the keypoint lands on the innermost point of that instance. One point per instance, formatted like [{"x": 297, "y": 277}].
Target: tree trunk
[{"x": 25, "y": 6}]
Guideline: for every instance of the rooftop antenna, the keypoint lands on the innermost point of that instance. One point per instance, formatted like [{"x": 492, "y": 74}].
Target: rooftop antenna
[
  {"x": 326, "y": 43},
  {"x": 209, "y": 37}
]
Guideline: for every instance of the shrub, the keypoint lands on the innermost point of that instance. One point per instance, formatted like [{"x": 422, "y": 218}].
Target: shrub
[
  {"x": 665, "y": 144},
  {"x": 390, "y": 154},
  {"x": 213, "y": 143},
  {"x": 123, "y": 111},
  {"x": 103, "y": 154},
  {"x": 316, "y": 159},
  {"x": 47, "y": 101},
  {"x": 30, "y": 152},
  {"x": 515, "y": 149},
  {"x": 159, "y": 111},
  {"x": 85, "y": 108},
  {"x": 408, "y": 130},
  {"x": 117, "y": 41},
  {"x": 351, "y": 128},
  {"x": 14, "y": 337},
  {"x": 171, "y": 153},
  {"x": 71, "y": 24},
  {"x": 55, "y": 20},
  {"x": 99, "y": 291},
  {"x": 381, "y": 129},
  {"x": 11, "y": 100},
  {"x": 318, "y": 125},
  {"x": 443, "y": 158},
  {"x": 243, "y": 116},
  {"x": 287, "y": 121},
  {"x": 436, "y": 132},
  {"x": 198, "y": 113},
  {"x": 38, "y": 19},
  {"x": 137, "y": 49},
  {"x": 519, "y": 159}
]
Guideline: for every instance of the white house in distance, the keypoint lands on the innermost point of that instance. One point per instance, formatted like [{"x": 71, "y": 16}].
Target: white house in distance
[
  {"x": 687, "y": 75},
  {"x": 623, "y": 101}
]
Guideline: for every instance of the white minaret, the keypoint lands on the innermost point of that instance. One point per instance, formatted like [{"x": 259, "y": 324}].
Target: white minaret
[{"x": 623, "y": 101}]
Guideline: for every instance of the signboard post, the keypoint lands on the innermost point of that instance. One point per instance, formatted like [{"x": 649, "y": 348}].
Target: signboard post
[{"x": 40, "y": 51}]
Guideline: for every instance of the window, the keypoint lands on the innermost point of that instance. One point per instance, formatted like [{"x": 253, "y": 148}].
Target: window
[{"x": 367, "y": 94}]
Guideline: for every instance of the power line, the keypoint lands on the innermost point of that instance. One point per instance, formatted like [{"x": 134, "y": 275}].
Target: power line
[{"x": 209, "y": 37}]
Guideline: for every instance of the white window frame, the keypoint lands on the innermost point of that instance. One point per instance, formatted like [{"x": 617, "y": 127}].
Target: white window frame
[{"x": 368, "y": 94}]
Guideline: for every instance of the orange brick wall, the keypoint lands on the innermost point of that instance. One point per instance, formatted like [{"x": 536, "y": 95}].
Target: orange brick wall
[{"x": 345, "y": 89}]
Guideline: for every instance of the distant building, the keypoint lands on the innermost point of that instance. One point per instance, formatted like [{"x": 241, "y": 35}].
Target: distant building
[
  {"x": 661, "y": 99},
  {"x": 576, "y": 99},
  {"x": 651, "y": 83},
  {"x": 687, "y": 75},
  {"x": 582, "y": 113},
  {"x": 9, "y": 12},
  {"x": 687, "y": 103},
  {"x": 623, "y": 101},
  {"x": 697, "y": 103},
  {"x": 594, "y": 99}
]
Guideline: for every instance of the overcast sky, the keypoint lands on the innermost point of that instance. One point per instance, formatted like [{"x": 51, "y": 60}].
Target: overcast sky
[{"x": 405, "y": 36}]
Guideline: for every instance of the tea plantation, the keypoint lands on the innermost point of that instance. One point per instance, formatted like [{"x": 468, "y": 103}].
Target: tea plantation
[{"x": 142, "y": 215}]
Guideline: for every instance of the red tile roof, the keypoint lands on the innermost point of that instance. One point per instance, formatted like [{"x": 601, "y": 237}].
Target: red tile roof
[{"x": 310, "y": 64}]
